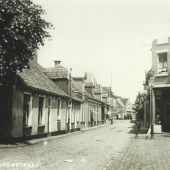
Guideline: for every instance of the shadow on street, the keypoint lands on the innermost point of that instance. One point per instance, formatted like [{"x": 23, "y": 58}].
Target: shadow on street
[{"x": 134, "y": 127}]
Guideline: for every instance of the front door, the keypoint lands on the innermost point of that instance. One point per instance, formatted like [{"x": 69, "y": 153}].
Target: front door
[{"x": 166, "y": 117}]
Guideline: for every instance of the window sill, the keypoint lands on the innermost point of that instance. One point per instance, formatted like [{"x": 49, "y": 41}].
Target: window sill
[
  {"x": 27, "y": 127},
  {"x": 162, "y": 75},
  {"x": 41, "y": 125}
]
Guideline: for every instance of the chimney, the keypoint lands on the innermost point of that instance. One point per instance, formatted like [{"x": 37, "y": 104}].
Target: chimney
[{"x": 57, "y": 62}]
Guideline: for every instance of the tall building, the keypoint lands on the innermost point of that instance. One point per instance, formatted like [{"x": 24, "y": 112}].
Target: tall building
[{"x": 157, "y": 86}]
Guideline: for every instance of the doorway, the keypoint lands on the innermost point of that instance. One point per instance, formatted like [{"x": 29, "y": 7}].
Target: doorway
[{"x": 166, "y": 117}]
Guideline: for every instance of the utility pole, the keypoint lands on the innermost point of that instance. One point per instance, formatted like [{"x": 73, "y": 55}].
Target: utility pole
[
  {"x": 70, "y": 102},
  {"x": 111, "y": 80}
]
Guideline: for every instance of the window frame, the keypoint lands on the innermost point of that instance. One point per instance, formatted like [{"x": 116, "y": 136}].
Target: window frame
[
  {"x": 161, "y": 65},
  {"x": 26, "y": 117},
  {"x": 40, "y": 114},
  {"x": 58, "y": 108}
]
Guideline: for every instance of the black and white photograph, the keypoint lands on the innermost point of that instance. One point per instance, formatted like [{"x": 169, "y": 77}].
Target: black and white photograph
[{"x": 84, "y": 84}]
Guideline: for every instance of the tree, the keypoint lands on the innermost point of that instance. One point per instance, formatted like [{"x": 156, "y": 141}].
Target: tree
[
  {"x": 22, "y": 31},
  {"x": 139, "y": 107}
]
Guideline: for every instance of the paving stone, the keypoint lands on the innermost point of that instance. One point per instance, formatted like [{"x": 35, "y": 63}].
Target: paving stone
[
  {"x": 145, "y": 154},
  {"x": 90, "y": 150}
]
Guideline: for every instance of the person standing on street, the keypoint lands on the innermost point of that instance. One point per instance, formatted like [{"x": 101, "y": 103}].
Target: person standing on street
[{"x": 138, "y": 124}]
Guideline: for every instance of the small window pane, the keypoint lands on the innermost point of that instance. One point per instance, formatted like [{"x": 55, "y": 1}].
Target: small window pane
[
  {"x": 26, "y": 109},
  {"x": 58, "y": 107},
  {"x": 40, "y": 110},
  {"x": 163, "y": 64}
]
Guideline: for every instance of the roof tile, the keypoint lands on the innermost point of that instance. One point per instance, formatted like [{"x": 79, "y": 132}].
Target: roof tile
[{"x": 37, "y": 79}]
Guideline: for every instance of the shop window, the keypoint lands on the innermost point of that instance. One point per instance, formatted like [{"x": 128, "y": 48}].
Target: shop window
[
  {"x": 26, "y": 112},
  {"x": 40, "y": 110},
  {"x": 163, "y": 64}
]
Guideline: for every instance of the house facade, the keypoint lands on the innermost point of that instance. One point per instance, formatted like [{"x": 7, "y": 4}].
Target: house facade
[
  {"x": 92, "y": 110},
  {"x": 62, "y": 78},
  {"x": 111, "y": 99},
  {"x": 120, "y": 108},
  {"x": 95, "y": 110},
  {"x": 50, "y": 102},
  {"x": 157, "y": 88},
  {"x": 38, "y": 107}
]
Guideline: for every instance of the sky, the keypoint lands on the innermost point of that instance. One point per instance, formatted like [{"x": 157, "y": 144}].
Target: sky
[{"x": 110, "y": 38}]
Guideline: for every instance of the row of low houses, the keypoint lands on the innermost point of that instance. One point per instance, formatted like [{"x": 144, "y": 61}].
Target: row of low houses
[
  {"x": 155, "y": 98},
  {"x": 119, "y": 107},
  {"x": 50, "y": 101}
]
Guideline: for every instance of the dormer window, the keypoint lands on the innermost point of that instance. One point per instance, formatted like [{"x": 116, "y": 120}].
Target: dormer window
[{"x": 163, "y": 64}]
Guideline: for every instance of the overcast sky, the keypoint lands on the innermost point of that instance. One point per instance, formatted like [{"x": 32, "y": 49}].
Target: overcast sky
[{"x": 101, "y": 36}]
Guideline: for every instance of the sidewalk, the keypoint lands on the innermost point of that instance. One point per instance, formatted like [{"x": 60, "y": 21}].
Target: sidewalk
[
  {"x": 144, "y": 154},
  {"x": 39, "y": 140}
]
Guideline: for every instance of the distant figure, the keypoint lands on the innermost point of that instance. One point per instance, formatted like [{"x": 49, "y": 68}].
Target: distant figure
[
  {"x": 148, "y": 133},
  {"x": 138, "y": 128},
  {"x": 117, "y": 117},
  {"x": 111, "y": 120},
  {"x": 130, "y": 117}
]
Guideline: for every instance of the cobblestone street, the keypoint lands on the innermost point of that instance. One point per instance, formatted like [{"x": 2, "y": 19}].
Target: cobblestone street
[
  {"x": 92, "y": 149},
  {"x": 84, "y": 85},
  {"x": 144, "y": 154},
  {"x": 112, "y": 147}
]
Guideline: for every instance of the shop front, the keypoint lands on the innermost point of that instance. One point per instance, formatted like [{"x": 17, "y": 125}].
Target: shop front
[{"x": 162, "y": 108}]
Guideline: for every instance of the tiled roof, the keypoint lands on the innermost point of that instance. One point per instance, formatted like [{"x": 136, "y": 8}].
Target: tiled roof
[
  {"x": 89, "y": 84},
  {"x": 124, "y": 101},
  {"x": 76, "y": 97},
  {"x": 78, "y": 78},
  {"x": 114, "y": 96},
  {"x": 120, "y": 103},
  {"x": 97, "y": 91},
  {"x": 77, "y": 85},
  {"x": 57, "y": 72},
  {"x": 35, "y": 78},
  {"x": 109, "y": 91},
  {"x": 106, "y": 89}
]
